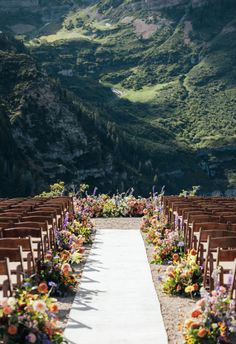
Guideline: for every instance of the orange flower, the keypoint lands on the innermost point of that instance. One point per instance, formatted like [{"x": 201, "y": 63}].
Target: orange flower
[
  {"x": 175, "y": 256},
  {"x": 171, "y": 274},
  {"x": 7, "y": 310},
  {"x": 54, "y": 308},
  {"x": 202, "y": 332},
  {"x": 196, "y": 313},
  {"x": 12, "y": 329},
  {"x": 43, "y": 288},
  {"x": 64, "y": 255},
  {"x": 193, "y": 252},
  {"x": 195, "y": 286}
]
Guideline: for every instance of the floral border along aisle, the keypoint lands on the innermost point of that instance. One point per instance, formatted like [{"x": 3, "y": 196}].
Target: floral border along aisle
[{"x": 30, "y": 316}]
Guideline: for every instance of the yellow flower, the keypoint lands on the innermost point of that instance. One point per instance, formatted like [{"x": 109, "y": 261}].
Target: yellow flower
[
  {"x": 188, "y": 323},
  {"x": 189, "y": 289}
]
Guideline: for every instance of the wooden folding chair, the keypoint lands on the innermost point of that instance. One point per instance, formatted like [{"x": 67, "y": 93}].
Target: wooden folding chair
[
  {"x": 35, "y": 233},
  {"x": 203, "y": 237},
  {"x": 31, "y": 224},
  {"x": 15, "y": 255},
  {"x": 27, "y": 247},
  {"x": 50, "y": 228},
  {"x": 213, "y": 244},
  {"x": 223, "y": 256},
  {"x": 192, "y": 238}
]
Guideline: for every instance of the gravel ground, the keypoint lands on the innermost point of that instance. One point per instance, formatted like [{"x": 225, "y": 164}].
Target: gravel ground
[
  {"x": 66, "y": 301},
  {"x": 173, "y": 308},
  {"x": 118, "y": 223}
]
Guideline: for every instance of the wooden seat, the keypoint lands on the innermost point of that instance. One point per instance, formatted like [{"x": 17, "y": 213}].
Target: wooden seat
[
  {"x": 229, "y": 218},
  {"x": 30, "y": 224},
  {"x": 49, "y": 217},
  {"x": 15, "y": 255},
  {"x": 214, "y": 243},
  {"x": 203, "y": 237},
  {"x": 11, "y": 218},
  {"x": 27, "y": 247},
  {"x": 191, "y": 234},
  {"x": 225, "y": 256},
  {"x": 35, "y": 233},
  {"x": 42, "y": 219}
]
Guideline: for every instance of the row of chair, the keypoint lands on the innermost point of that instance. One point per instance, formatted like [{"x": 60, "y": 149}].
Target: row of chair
[
  {"x": 209, "y": 227},
  {"x": 27, "y": 229}
]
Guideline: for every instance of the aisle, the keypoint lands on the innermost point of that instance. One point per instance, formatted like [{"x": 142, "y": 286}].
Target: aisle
[{"x": 116, "y": 302}]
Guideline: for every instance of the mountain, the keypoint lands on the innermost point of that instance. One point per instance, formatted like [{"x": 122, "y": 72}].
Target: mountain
[{"x": 155, "y": 80}]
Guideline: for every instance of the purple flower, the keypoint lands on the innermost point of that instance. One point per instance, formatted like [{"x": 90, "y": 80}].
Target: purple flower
[
  {"x": 27, "y": 284},
  {"x": 94, "y": 191},
  {"x": 180, "y": 244},
  {"x": 52, "y": 284}
]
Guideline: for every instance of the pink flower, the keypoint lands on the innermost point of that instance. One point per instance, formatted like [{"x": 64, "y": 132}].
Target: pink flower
[
  {"x": 201, "y": 303},
  {"x": 222, "y": 290}
]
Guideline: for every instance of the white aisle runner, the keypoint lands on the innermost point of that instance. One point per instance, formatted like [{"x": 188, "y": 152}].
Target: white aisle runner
[{"x": 116, "y": 302}]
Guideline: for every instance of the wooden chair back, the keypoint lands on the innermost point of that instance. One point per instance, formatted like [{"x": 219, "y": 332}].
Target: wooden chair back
[
  {"x": 26, "y": 245},
  {"x": 6, "y": 286},
  {"x": 214, "y": 243},
  {"x": 14, "y": 255}
]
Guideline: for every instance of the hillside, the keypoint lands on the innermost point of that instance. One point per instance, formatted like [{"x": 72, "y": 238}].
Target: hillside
[
  {"x": 155, "y": 78},
  {"x": 45, "y": 135}
]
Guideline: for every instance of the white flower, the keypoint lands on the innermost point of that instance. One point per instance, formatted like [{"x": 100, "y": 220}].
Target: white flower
[
  {"x": 39, "y": 306},
  {"x": 3, "y": 302},
  {"x": 11, "y": 302},
  {"x": 75, "y": 257}
]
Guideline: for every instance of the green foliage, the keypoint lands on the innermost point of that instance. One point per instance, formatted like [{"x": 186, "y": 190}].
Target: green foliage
[
  {"x": 56, "y": 190},
  {"x": 192, "y": 192}
]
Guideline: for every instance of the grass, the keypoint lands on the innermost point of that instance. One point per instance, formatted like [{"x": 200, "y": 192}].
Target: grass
[{"x": 147, "y": 94}]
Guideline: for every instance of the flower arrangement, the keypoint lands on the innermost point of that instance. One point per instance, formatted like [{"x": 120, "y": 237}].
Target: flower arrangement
[
  {"x": 30, "y": 317},
  {"x": 168, "y": 248},
  {"x": 66, "y": 240},
  {"x": 56, "y": 271},
  {"x": 184, "y": 277},
  {"x": 82, "y": 228},
  {"x": 118, "y": 205},
  {"x": 212, "y": 321}
]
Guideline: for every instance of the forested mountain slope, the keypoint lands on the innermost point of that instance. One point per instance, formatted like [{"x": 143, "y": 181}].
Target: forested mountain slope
[{"x": 156, "y": 80}]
